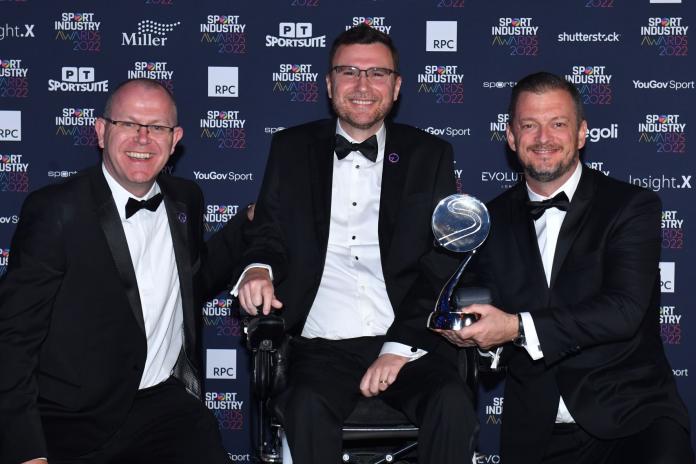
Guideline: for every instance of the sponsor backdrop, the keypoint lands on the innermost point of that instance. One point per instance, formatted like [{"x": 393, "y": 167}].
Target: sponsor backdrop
[{"x": 244, "y": 70}]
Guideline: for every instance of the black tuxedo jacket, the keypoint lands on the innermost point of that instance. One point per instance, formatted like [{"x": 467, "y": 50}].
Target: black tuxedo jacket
[
  {"x": 71, "y": 325},
  {"x": 598, "y": 322},
  {"x": 291, "y": 224}
]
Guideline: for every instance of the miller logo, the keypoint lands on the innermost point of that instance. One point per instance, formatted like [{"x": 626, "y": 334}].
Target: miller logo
[
  {"x": 593, "y": 83},
  {"x": 150, "y": 34},
  {"x": 225, "y": 32},
  {"x": 667, "y": 35},
  {"x": 225, "y": 128},
  {"x": 77, "y": 123},
  {"x": 297, "y": 81},
  {"x": 666, "y": 131},
  {"x": 14, "y": 82},
  {"x": 443, "y": 82},
  {"x": 80, "y": 29},
  {"x": 519, "y": 34}
]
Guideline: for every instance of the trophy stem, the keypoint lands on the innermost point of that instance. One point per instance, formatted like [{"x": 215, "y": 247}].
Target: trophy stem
[{"x": 446, "y": 315}]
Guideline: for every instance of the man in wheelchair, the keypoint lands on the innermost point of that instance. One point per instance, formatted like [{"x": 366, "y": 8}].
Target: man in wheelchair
[{"x": 341, "y": 240}]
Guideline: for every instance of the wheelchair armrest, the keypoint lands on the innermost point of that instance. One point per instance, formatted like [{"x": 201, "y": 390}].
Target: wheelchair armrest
[
  {"x": 265, "y": 332},
  {"x": 269, "y": 346}
]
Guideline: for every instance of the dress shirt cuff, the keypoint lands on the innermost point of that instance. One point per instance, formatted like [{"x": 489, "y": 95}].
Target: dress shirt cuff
[
  {"x": 235, "y": 290},
  {"x": 532, "y": 339},
  {"x": 402, "y": 350}
]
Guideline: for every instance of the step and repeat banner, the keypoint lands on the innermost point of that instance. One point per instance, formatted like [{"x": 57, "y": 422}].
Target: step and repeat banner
[{"x": 244, "y": 70}]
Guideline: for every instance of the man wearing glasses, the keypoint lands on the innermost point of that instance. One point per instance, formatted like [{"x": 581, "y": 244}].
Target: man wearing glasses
[
  {"x": 343, "y": 226},
  {"x": 98, "y": 309}
]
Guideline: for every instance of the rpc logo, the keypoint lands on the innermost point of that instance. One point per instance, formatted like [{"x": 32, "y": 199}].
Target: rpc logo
[
  {"x": 441, "y": 36},
  {"x": 221, "y": 364},
  {"x": 223, "y": 81},
  {"x": 667, "y": 275},
  {"x": 11, "y": 126}
]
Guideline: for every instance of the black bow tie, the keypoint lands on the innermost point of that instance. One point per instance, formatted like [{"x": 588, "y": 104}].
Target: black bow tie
[
  {"x": 368, "y": 148},
  {"x": 133, "y": 205},
  {"x": 537, "y": 208}
]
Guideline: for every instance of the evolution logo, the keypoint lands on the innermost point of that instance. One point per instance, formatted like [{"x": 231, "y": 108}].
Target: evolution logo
[
  {"x": 663, "y": 182},
  {"x": 671, "y": 85},
  {"x": 150, "y": 34},
  {"x": 494, "y": 411},
  {"x": 225, "y": 128},
  {"x": 667, "y": 35},
  {"x": 297, "y": 81},
  {"x": 80, "y": 29},
  {"x": 295, "y": 35},
  {"x": 74, "y": 79},
  {"x": 14, "y": 82},
  {"x": 443, "y": 82},
  {"x": 77, "y": 123},
  {"x": 670, "y": 325},
  {"x": 598, "y": 166},
  {"x": 218, "y": 315},
  {"x": 593, "y": 83},
  {"x": 375, "y": 22},
  {"x": 14, "y": 174},
  {"x": 216, "y": 216},
  {"x": 672, "y": 230},
  {"x": 487, "y": 459},
  {"x": 156, "y": 70},
  {"x": 225, "y": 32},
  {"x": 4, "y": 259},
  {"x": 498, "y": 128},
  {"x": 518, "y": 34},
  {"x": 665, "y": 131},
  {"x": 667, "y": 277},
  {"x": 8, "y": 31}
]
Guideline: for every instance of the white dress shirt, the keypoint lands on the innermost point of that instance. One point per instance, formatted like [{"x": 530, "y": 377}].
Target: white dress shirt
[
  {"x": 152, "y": 252},
  {"x": 547, "y": 229}
]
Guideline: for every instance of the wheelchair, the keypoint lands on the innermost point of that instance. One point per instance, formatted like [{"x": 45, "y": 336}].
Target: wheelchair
[{"x": 374, "y": 433}]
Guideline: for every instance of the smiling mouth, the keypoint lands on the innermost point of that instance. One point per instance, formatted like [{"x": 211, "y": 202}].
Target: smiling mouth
[{"x": 139, "y": 155}]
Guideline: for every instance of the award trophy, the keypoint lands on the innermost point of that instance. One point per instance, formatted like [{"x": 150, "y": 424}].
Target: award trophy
[{"x": 460, "y": 223}]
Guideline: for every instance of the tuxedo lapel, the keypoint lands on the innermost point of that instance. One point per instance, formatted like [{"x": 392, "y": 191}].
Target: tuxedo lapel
[
  {"x": 525, "y": 235},
  {"x": 395, "y": 166},
  {"x": 321, "y": 176},
  {"x": 576, "y": 215},
  {"x": 110, "y": 222}
]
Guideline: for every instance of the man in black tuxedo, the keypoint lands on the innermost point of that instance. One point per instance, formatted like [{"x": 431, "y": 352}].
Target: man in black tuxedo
[
  {"x": 99, "y": 307},
  {"x": 572, "y": 261},
  {"x": 343, "y": 224}
]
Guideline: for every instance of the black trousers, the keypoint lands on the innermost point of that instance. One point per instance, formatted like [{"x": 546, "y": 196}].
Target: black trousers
[
  {"x": 663, "y": 442},
  {"x": 324, "y": 379},
  {"x": 165, "y": 424}
]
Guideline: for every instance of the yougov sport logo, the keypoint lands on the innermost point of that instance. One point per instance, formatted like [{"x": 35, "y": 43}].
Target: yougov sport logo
[
  {"x": 670, "y": 325},
  {"x": 14, "y": 82},
  {"x": 156, "y": 70},
  {"x": 217, "y": 315},
  {"x": 297, "y": 81},
  {"x": 593, "y": 83},
  {"x": 224, "y": 32},
  {"x": 672, "y": 230},
  {"x": 225, "y": 128},
  {"x": 443, "y": 83},
  {"x": 666, "y": 35},
  {"x": 149, "y": 34},
  {"x": 518, "y": 35},
  {"x": 78, "y": 124},
  {"x": 14, "y": 173},
  {"x": 81, "y": 30},
  {"x": 665, "y": 131}
]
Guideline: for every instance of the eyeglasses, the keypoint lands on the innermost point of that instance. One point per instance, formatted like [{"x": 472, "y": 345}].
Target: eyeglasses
[
  {"x": 352, "y": 73},
  {"x": 152, "y": 129}
]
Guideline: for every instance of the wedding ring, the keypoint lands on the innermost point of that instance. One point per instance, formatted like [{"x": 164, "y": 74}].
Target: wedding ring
[{"x": 383, "y": 381}]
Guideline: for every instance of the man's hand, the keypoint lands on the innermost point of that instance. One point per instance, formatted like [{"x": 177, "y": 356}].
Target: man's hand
[
  {"x": 256, "y": 289},
  {"x": 381, "y": 374},
  {"x": 493, "y": 328}
]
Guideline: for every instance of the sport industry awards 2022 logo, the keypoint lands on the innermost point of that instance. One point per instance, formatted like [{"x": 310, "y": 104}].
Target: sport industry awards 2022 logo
[
  {"x": 672, "y": 230},
  {"x": 156, "y": 70},
  {"x": 14, "y": 80},
  {"x": 14, "y": 173},
  {"x": 225, "y": 128},
  {"x": 518, "y": 35},
  {"x": 218, "y": 315},
  {"x": 297, "y": 81},
  {"x": 444, "y": 83},
  {"x": 593, "y": 83},
  {"x": 225, "y": 32},
  {"x": 78, "y": 124},
  {"x": 666, "y": 131},
  {"x": 79, "y": 29},
  {"x": 667, "y": 35}
]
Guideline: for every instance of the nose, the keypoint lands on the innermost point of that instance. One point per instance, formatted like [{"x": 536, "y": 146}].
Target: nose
[
  {"x": 543, "y": 133},
  {"x": 143, "y": 134}
]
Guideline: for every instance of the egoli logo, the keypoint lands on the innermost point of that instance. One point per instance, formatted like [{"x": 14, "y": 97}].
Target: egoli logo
[
  {"x": 297, "y": 81},
  {"x": 295, "y": 35},
  {"x": 74, "y": 79},
  {"x": 595, "y": 134},
  {"x": 225, "y": 128},
  {"x": 667, "y": 35},
  {"x": 375, "y": 22},
  {"x": 670, "y": 325},
  {"x": 672, "y": 230},
  {"x": 665, "y": 131},
  {"x": 77, "y": 123},
  {"x": 498, "y": 128},
  {"x": 667, "y": 277},
  {"x": 14, "y": 82},
  {"x": 593, "y": 83},
  {"x": 150, "y": 34},
  {"x": 81, "y": 29},
  {"x": 518, "y": 34},
  {"x": 443, "y": 82},
  {"x": 225, "y": 32},
  {"x": 662, "y": 85}
]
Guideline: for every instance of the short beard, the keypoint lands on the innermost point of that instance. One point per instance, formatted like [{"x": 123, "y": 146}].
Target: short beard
[
  {"x": 379, "y": 117},
  {"x": 548, "y": 176}
]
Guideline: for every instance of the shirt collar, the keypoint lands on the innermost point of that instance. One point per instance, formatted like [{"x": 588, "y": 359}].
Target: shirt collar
[
  {"x": 381, "y": 138},
  {"x": 122, "y": 195},
  {"x": 569, "y": 187}
]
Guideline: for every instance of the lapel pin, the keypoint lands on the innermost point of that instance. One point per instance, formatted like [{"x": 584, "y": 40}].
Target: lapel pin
[
  {"x": 182, "y": 218},
  {"x": 393, "y": 158}
]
